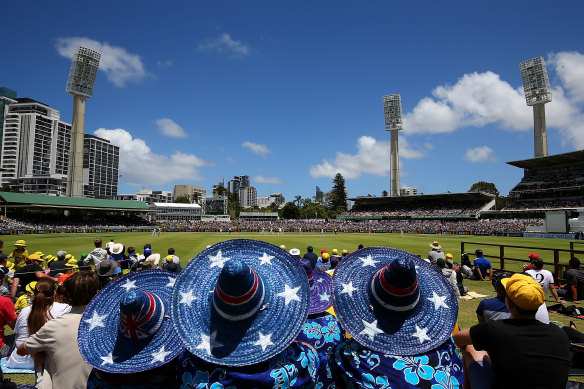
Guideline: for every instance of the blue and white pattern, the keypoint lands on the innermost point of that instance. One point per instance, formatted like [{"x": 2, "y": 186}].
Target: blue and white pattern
[
  {"x": 323, "y": 333},
  {"x": 295, "y": 367},
  {"x": 359, "y": 367}
]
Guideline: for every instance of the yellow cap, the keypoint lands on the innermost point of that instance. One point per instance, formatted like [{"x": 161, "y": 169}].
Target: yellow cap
[
  {"x": 30, "y": 287},
  {"x": 50, "y": 258},
  {"x": 68, "y": 256},
  {"x": 335, "y": 251},
  {"x": 325, "y": 256},
  {"x": 35, "y": 257},
  {"x": 20, "y": 242},
  {"x": 72, "y": 262},
  {"x": 344, "y": 252},
  {"x": 524, "y": 291},
  {"x": 283, "y": 247},
  {"x": 169, "y": 258},
  {"x": 448, "y": 256},
  {"x": 40, "y": 254}
]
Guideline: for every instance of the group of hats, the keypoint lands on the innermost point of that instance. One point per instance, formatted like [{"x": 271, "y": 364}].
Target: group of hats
[{"x": 241, "y": 302}]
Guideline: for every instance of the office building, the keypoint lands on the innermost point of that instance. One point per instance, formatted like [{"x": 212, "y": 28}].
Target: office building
[
  {"x": 248, "y": 197},
  {"x": 101, "y": 161},
  {"x": 196, "y": 194},
  {"x": 149, "y": 196},
  {"x": 7, "y": 97},
  {"x": 238, "y": 182}
]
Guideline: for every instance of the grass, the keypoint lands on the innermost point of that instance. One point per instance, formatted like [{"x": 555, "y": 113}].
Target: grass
[{"x": 187, "y": 245}]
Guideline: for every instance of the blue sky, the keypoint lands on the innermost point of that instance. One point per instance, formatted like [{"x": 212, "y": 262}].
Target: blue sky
[{"x": 289, "y": 93}]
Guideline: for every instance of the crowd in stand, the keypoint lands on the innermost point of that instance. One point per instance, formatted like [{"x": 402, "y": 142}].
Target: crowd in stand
[
  {"x": 246, "y": 313},
  {"x": 438, "y": 208},
  {"x": 525, "y": 205}
]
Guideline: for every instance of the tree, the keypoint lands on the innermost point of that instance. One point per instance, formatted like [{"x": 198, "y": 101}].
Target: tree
[
  {"x": 185, "y": 199},
  {"x": 220, "y": 190},
  {"x": 338, "y": 195},
  {"x": 290, "y": 211},
  {"x": 233, "y": 204},
  {"x": 384, "y": 193},
  {"x": 297, "y": 200},
  {"x": 313, "y": 211},
  {"x": 482, "y": 186}
]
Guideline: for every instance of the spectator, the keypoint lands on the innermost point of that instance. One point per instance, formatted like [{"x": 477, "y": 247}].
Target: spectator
[
  {"x": 449, "y": 274},
  {"x": 509, "y": 353},
  {"x": 7, "y": 318},
  {"x": 295, "y": 253},
  {"x": 335, "y": 258},
  {"x": 20, "y": 254},
  {"x": 58, "y": 267},
  {"x": 105, "y": 271},
  {"x": 435, "y": 253},
  {"x": 494, "y": 308},
  {"x": 482, "y": 267},
  {"x": 529, "y": 266},
  {"x": 465, "y": 266},
  {"x": 64, "y": 366},
  {"x": 397, "y": 331},
  {"x": 448, "y": 260},
  {"x": 23, "y": 276},
  {"x": 5, "y": 273},
  {"x": 171, "y": 266},
  {"x": 574, "y": 279},
  {"x": 175, "y": 259},
  {"x": 96, "y": 255},
  {"x": 311, "y": 256},
  {"x": 324, "y": 264},
  {"x": 25, "y": 300},
  {"x": 544, "y": 277}
]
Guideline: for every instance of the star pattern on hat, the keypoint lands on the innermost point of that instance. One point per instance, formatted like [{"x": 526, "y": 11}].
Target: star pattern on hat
[
  {"x": 348, "y": 288},
  {"x": 421, "y": 334},
  {"x": 95, "y": 321},
  {"x": 438, "y": 300},
  {"x": 187, "y": 297},
  {"x": 324, "y": 297},
  {"x": 264, "y": 341},
  {"x": 368, "y": 261},
  {"x": 160, "y": 355},
  {"x": 171, "y": 281},
  {"x": 129, "y": 285},
  {"x": 266, "y": 259},
  {"x": 205, "y": 343},
  {"x": 289, "y": 294},
  {"x": 370, "y": 329},
  {"x": 218, "y": 260},
  {"x": 108, "y": 359},
  {"x": 320, "y": 280}
]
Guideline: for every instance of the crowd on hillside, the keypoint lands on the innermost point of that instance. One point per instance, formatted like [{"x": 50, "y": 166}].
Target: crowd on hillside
[{"x": 246, "y": 313}]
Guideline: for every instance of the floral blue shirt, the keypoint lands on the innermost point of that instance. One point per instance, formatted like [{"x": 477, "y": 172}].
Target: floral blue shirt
[
  {"x": 323, "y": 333},
  {"x": 295, "y": 367},
  {"x": 358, "y": 367}
]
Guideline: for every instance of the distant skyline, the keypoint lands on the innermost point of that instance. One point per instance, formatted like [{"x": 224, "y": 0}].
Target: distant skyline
[{"x": 291, "y": 93}]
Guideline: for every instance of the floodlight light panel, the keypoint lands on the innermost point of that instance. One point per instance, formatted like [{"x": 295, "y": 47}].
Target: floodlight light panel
[
  {"x": 536, "y": 83},
  {"x": 83, "y": 72},
  {"x": 392, "y": 111}
]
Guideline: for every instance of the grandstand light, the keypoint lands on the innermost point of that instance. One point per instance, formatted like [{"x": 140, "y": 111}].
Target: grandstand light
[
  {"x": 536, "y": 86},
  {"x": 392, "y": 111},
  {"x": 80, "y": 84}
]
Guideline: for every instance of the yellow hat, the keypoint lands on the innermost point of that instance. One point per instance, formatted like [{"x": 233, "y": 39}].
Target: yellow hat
[
  {"x": 448, "y": 256},
  {"x": 50, "y": 258},
  {"x": 72, "y": 262},
  {"x": 335, "y": 251},
  {"x": 169, "y": 258},
  {"x": 68, "y": 256},
  {"x": 524, "y": 291},
  {"x": 325, "y": 255},
  {"x": 30, "y": 287},
  {"x": 35, "y": 257},
  {"x": 20, "y": 242},
  {"x": 40, "y": 254},
  {"x": 344, "y": 252},
  {"x": 283, "y": 247}
]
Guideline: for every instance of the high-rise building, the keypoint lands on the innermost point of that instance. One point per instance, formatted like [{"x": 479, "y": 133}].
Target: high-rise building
[
  {"x": 238, "y": 182},
  {"x": 196, "y": 194},
  {"x": 248, "y": 197},
  {"x": 101, "y": 161},
  {"x": 7, "y": 97}
]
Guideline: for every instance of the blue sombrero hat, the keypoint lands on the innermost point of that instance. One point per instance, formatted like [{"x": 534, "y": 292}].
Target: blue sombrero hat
[
  {"x": 126, "y": 328},
  {"x": 320, "y": 288},
  {"x": 240, "y": 302},
  {"x": 393, "y": 302}
]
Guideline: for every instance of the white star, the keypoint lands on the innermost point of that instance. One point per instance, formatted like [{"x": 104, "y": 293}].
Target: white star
[
  {"x": 324, "y": 297},
  {"x": 129, "y": 285},
  {"x": 264, "y": 341},
  {"x": 218, "y": 260},
  {"x": 266, "y": 259},
  {"x": 187, "y": 298},
  {"x": 171, "y": 281},
  {"x": 368, "y": 261},
  {"x": 205, "y": 344},
  {"x": 348, "y": 288},
  {"x": 421, "y": 334},
  {"x": 320, "y": 280},
  {"x": 108, "y": 359},
  {"x": 95, "y": 321},
  {"x": 289, "y": 294},
  {"x": 160, "y": 355},
  {"x": 370, "y": 329},
  {"x": 438, "y": 301}
]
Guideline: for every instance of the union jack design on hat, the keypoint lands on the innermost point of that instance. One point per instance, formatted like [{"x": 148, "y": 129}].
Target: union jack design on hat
[{"x": 141, "y": 314}]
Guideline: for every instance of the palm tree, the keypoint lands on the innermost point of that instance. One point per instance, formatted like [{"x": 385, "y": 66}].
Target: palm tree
[{"x": 297, "y": 200}]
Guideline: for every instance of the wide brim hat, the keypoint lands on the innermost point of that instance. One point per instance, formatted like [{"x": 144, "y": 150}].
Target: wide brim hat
[
  {"x": 320, "y": 288},
  {"x": 412, "y": 329},
  {"x": 266, "y": 328},
  {"x": 104, "y": 347},
  {"x": 151, "y": 261},
  {"x": 106, "y": 268},
  {"x": 20, "y": 243},
  {"x": 435, "y": 245},
  {"x": 116, "y": 248}
]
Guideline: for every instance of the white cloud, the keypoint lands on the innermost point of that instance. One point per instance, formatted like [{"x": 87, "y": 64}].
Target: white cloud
[
  {"x": 256, "y": 148},
  {"x": 569, "y": 67},
  {"x": 165, "y": 64},
  {"x": 169, "y": 128},
  {"x": 268, "y": 180},
  {"x": 139, "y": 166},
  {"x": 479, "y": 154},
  {"x": 372, "y": 158},
  {"x": 224, "y": 44},
  {"x": 119, "y": 65}
]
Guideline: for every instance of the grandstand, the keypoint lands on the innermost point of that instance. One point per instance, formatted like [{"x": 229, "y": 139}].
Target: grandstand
[{"x": 549, "y": 183}]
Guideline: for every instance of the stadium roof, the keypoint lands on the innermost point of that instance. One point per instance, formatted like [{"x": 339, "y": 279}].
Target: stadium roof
[
  {"x": 12, "y": 199},
  {"x": 550, "y": 160},
  {"x": 176, "y": 205},
  {"x": 467, "y": 196}
]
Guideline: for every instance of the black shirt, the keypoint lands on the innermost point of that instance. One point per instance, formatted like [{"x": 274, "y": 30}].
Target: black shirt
[
  {"x": 57, "y": 267},
  {"x": 312, "y": 258},
  {"x": 27, "y": 274},
  {"x": 525, "y": 353}
]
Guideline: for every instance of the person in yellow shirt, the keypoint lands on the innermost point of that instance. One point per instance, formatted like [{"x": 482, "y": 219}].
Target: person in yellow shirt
[
  {"x": 26, "y": 299},
  {"x": 20, "y": 254}
]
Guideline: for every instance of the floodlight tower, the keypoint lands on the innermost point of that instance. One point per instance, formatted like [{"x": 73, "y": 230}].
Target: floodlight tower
[
  {"x": 392, "y": 110},
  {"x": 536, "y": 85},
  {"x": 80, "y": 84}
]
